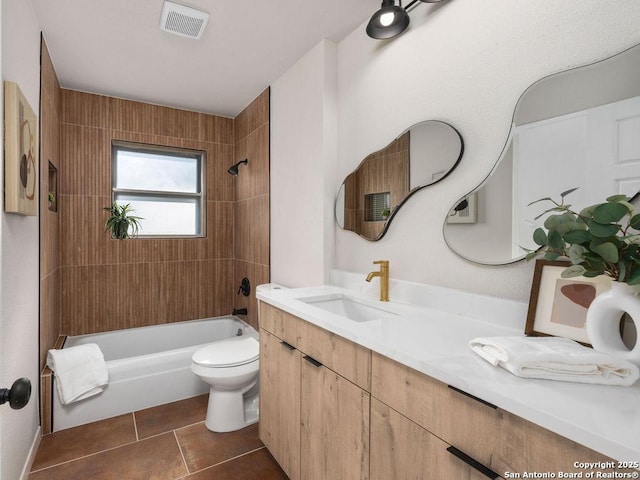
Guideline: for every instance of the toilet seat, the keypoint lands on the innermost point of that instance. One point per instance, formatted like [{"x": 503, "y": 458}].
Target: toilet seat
[{"x": 231, "y": 352}]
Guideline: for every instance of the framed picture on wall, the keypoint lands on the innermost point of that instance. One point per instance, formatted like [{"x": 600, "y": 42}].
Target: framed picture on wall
[
  {"x": 558, "y": 306},
  {"x": 466, "y": 211},
  {"x": 21, "y": 153}
]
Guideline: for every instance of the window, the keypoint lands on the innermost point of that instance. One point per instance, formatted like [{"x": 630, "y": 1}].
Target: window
[
  {"x": 163, "y": 185},
  {"x": 376, "y": 206}
]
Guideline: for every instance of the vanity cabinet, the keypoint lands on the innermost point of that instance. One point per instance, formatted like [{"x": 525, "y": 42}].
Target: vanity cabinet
[
  {"x": 469, "y": 427},
  {"x": 330, "y": 408},
  {"x": 314, "y": 399},
  {"x": 402, "y": 450}
]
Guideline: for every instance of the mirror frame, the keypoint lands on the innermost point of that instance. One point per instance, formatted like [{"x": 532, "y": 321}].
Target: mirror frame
[
  {"x": 411, "y": 192},
  {"x": 505, "y": 149}
]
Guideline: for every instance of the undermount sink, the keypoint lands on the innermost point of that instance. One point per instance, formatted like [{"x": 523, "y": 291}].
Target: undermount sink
[{"x": 348, "y": 307}]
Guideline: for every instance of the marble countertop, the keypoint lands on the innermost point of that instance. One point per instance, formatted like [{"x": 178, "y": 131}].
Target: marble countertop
[{"x": 431, "y": 334}]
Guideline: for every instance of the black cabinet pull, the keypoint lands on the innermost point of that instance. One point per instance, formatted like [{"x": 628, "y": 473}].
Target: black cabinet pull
[
  {"x": 487, "y": 472},
  {"x": 484, "y": 402},
  {"x": 312, "y": 361},
  {"x": 286, "y": 345}
]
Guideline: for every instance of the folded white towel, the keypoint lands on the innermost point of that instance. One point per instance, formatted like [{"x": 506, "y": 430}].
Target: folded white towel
[
  {"x": 81, "y": 371},
  {"x": 554, "y": 358}
]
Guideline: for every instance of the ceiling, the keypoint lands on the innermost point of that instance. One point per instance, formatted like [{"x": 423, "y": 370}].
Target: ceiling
[{"x": 116, "y": 48}]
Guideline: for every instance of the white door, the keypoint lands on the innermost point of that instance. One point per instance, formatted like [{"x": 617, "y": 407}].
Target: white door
[{"x": 597, "y": 150}]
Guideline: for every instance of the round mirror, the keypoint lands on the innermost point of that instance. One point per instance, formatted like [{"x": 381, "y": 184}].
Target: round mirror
[
  {"x": 578, "y": 128},
  {"x": 372, "y": 194}
]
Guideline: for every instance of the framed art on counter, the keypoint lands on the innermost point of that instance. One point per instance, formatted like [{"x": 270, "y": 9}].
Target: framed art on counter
[{"x": 558, "y": 306}]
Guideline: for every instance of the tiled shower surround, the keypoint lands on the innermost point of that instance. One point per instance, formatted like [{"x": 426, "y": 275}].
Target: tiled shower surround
[
  {"x": 107, "y": 284},
  {"x": 110, "y": 284},
  {"x": 92, "y": 283}
]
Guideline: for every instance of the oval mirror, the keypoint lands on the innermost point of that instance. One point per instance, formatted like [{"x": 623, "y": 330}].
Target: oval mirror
[
  {"x": 372, "y": 194},
  {"x": 578, "y": 128}
]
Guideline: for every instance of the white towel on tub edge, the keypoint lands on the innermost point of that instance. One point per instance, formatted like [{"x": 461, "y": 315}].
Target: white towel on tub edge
[{"x": 80, "y": 371}]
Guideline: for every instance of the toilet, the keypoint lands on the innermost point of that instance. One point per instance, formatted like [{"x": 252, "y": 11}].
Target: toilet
[{"x": 230, "y": 367}]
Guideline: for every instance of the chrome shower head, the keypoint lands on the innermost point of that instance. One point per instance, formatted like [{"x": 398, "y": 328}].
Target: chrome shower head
[{"x": 233, "y": 169}]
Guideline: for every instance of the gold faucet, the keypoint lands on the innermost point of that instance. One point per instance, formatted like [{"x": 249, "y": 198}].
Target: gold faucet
[{"x": 384, "y": 278}]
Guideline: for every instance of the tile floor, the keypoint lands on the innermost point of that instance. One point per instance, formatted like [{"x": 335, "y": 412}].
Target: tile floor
[{"x": 168, "y": 442}]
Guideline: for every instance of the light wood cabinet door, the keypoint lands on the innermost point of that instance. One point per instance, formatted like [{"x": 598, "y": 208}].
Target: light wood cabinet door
[
  {"x": 280, "y": 402},
  {"x": 334, "y": 440},
  {"x": 280, "y": 323},
  {"x": 402, "y": 450}
]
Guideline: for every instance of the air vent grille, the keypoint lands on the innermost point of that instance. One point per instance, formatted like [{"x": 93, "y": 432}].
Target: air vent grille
[{"x": 182, "y": 20}]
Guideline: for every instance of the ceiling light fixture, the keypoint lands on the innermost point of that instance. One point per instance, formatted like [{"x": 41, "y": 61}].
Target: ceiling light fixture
[{"x": 391, "y": 20}]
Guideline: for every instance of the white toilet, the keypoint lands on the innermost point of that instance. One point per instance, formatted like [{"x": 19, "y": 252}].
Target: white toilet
[{"x": 230, "y": 366}]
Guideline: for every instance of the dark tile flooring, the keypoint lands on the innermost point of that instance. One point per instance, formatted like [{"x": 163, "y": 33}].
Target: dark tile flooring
[{"x": 168, "y": 442}]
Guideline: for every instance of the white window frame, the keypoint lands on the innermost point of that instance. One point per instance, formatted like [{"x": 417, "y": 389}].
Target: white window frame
[{"x": 199, "y": 195}]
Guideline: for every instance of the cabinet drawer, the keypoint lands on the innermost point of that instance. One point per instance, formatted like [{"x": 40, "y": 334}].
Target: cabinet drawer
[
  {"x": 527, "y": 447},
  {"x": 402, "y": 450},
  {"x": 280, "y": 323},
  {"x": 500, "y": 440},
  {"x": 460, "y": 420},
  {"x": 346, "y": 358}
]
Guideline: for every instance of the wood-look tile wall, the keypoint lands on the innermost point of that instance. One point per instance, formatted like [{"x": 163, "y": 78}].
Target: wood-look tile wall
[
  {"x": 50, "y": 273},
  {"x": 251, "y": 207},
  {"x": 111, "y": 284},
  {"x": 386, "y": 170}
]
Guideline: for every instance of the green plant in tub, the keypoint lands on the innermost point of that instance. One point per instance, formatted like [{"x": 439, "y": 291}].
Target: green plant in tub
[
  {"x": 121, "y": 223},
  {"x": 602, "y": 239}
]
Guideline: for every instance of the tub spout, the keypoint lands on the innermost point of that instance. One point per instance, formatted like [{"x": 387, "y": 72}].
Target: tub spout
[{"x": 239, "y": 311}]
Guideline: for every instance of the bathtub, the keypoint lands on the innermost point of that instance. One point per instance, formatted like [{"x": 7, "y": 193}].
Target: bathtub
[{"x": 148, "y": 366}]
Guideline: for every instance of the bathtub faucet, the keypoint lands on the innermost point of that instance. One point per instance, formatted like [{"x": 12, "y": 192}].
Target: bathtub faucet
[{"x": 239, "y": 311}]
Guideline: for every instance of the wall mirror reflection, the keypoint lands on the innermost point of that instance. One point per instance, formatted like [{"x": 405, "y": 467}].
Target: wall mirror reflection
[
  {"x": 373, "y": 193},
  {"x": 579, "y": 128}
]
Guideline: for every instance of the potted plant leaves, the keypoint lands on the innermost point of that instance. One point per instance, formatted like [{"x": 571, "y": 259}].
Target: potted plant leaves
[
  {"x": 602, "y": 239},
  {"x": 121, "y": 221}
]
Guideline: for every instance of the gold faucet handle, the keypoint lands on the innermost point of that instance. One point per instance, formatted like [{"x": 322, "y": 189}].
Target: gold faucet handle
[{"x": 381, "y": 262}]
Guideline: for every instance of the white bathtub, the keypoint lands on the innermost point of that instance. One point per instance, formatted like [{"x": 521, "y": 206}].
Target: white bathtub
[{"x": 147, "y": 366}]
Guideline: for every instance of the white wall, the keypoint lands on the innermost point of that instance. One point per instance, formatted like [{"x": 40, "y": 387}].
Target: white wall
[
  {"x": 19, "y": 257},
  {"x": 465, "y": 62},
  {"x": 303, "y": 155}
]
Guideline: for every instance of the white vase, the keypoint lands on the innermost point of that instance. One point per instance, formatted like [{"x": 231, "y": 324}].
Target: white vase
[{"x": 603, "y": 321}]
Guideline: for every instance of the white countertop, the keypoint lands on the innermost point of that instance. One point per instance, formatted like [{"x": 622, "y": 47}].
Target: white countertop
[{"x": 431, "y": 335}]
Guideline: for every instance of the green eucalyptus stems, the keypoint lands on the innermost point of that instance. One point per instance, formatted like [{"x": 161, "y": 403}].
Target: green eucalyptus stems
[
  {"x": 121, "y": 223},
  {"x": 602, "y": 239}
]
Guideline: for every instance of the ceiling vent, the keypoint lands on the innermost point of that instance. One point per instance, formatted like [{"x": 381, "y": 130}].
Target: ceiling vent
[{"x": 182, "y": 20}]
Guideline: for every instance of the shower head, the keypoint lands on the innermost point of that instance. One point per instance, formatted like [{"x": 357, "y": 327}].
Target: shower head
[{"x": 233, "y": 169}]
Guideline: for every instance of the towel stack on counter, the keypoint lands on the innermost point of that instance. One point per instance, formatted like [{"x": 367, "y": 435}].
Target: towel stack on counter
[
  {"x": 80, "y": 371},
  {"x": 553, "y": 358}
]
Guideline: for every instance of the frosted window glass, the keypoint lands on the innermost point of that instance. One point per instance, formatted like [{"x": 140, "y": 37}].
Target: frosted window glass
[
  {"x": 164, "y": 216},
  {"x": 156, "y": 172},
  {"x": 164, "y": 187}
]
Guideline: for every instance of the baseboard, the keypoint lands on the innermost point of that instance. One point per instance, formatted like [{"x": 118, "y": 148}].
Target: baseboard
[{"x": 32, "y": 455}]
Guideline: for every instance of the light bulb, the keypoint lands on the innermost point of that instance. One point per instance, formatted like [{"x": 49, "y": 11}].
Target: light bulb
[{"x": 386, "y": 19}]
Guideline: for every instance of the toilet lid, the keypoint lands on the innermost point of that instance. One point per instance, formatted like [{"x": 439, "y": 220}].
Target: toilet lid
[{"x": 228, "y": 353}]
